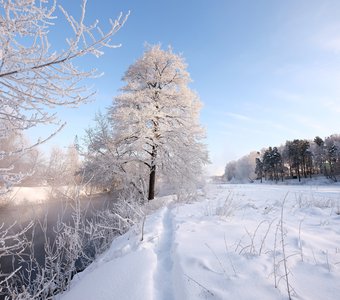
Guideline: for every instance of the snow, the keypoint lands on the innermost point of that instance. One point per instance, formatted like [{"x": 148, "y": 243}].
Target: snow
[{"x": 226, "y": 245}]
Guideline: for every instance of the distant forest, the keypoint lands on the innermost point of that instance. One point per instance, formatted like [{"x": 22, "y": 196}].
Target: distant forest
[{"x": 300, "y": 158}]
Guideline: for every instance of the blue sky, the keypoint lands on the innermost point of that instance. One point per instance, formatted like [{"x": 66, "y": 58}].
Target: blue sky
[{"x": 266, "y": 71}]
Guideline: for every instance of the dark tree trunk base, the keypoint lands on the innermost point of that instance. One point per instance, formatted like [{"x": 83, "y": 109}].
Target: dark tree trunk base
[{"x": 152, "y": 180}]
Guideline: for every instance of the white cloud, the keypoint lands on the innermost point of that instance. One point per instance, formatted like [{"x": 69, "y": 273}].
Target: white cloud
[
  {"x": 327, "y": 37},
  {"x": 256, "y": 126},
  {"x": 238, "y": 116},
  {"x": 333, "y": 106},
  {"x": 307, "y": 122},
  {"x": 287, "y": 96},
  {"x": 332, "y": 44}
]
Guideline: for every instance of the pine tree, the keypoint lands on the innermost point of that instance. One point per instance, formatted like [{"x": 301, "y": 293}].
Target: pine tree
[
  {"x": 319, "y": 154},
  {"x": 259, "y": 168}
]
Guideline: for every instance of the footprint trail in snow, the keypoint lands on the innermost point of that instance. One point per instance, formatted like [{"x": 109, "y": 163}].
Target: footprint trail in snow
[{"x": 163, "y": 274}]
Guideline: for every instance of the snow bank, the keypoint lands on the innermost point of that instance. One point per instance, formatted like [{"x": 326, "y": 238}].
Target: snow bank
[{"x": 228, "y": 246}]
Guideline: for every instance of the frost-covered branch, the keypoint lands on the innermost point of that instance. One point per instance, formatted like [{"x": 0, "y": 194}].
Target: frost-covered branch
[{"x": 35, "y": 77}]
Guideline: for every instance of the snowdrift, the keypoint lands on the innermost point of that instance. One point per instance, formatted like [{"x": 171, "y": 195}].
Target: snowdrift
[{"x": 238, "y": 242}]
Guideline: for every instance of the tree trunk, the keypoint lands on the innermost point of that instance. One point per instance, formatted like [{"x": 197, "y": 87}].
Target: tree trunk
[
  {"x": 152, "y": 177},
  {"x": 152, "y": 181},
  {"x": 298, "y": 173}
]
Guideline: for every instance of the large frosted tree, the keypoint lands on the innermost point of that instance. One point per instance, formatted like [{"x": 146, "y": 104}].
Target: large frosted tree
[{"x": 155, "y": 120}]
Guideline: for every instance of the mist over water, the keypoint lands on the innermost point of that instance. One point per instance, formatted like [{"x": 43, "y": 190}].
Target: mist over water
[{"x": 45, "y": 215}]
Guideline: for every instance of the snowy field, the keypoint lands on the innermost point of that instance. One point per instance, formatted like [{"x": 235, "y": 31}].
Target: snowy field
[{"x": 228, "y": 245}]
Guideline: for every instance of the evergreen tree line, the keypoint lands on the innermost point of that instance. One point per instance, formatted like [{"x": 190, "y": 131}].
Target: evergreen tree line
[
  {"x": 296, "y": 159},
  {"x": 300, "y": 158}
]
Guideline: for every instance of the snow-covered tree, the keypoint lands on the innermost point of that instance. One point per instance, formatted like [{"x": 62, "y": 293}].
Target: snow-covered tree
[
  {"x": 332, "y": 149},
  {"x": 62, "y": 167},
  {"x": 299, "y": 157},
  {"x": 230, "y": 171},
  {"x": 156, "y": 120},
  {"x": 318, "y": 150},
  {"x": 100, "y": 167},
  {"x": 17, "y": 165},
  {"x": 259, "y": 168},
  {"x": 241, "y": 170},
  {"x": 34, "y": 77},
  {"x": 272, "y": 164}
]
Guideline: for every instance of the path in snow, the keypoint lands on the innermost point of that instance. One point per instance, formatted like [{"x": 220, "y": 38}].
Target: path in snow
[
  {"x": 193, "y": 251},
  {"x": 163, "y": 274}
]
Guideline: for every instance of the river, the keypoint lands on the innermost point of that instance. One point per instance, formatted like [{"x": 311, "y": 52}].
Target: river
[{"x": 48, "y": 212}]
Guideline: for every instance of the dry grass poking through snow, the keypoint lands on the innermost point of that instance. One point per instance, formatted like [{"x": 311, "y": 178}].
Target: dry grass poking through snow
[
  {"x": 283, "y": 240},
  {"x": 239, "y": 242}
]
